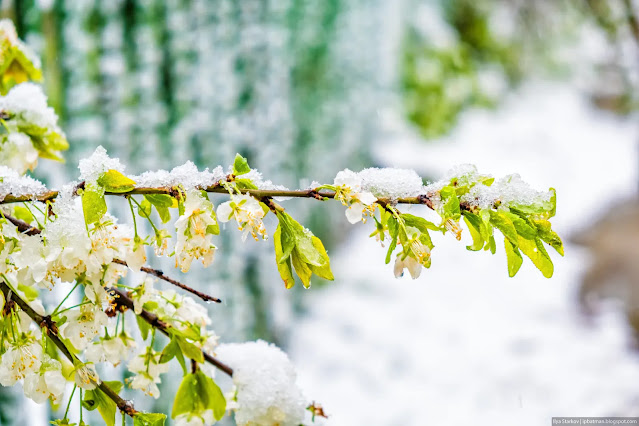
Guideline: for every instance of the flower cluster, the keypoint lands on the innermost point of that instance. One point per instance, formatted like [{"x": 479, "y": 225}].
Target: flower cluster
[
  {"x": 348, "y": 189},
  {"x": 248, "y": 213},
  {"x": 195, "y": 228}
]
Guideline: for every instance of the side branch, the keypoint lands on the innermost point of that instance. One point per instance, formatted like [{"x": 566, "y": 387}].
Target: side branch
[
  {"x": 121, "y": 299},
  {"x": 50, "y": 328}
]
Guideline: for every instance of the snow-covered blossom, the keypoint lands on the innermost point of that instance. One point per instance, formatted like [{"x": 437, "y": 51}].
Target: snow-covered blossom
[
  {"x": 18, "y": 152},
  {"x": 83, "y": 324},
  {"x": 194, "y": 232},
  {"x": 47, "y": 383},
  {"x": 348, "y": 189},
  {"x": 248, "y": 213},
  {"x": 265, "y": 379},
  {"x": 147, "y": 368},
  {"x": 20, "y": 360}
]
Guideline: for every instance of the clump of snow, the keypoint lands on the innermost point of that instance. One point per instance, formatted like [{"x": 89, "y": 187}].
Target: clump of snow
[
  {"x": 265, "y": 379},
  {"x": 99, "y": 162},
  {"x": 391, "y": 183},
  {"x": 11, "y": 183},
  {"x": 258, "y": 180},
  {"x": 509, "y": 191},
  {"x": 28, "y": 101},
  {"x": 187, "y": 175}
]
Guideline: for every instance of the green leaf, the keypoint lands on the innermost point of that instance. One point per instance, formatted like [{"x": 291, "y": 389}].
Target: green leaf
[
  {"x": 144, "y": 209},
  {"x": 420, "y": 223},
  {"x": 325, "y": 270},
  {"x": 169, "y": 352},
  {"x": 553, "y": 203},
  {"x": 106, "y": 407},
  {"x": 501, "y": 221},
  {"x": 535, "y": 250},
  {"x": 149, "y": 419},
  {"x": 490, "y": 245},
  {"x": 393, "y": 230},
  {"x": 93, "y": 205},
  {"x": 287, "y": 237},
  {"x": 189, "y": 349},
  {"x": 283, "y": 266},
  {"x": 114, "y": 181},
  {"x": 165, "y": 214},
  {"x": 161, "y": 200},
  {"x": 549, "y": 236},
  {"x": 23, "y": 213},
  {"x": 302, "y": 269},
  {"x": 143, "y": 326},
  {"x": 450, "y": 203},
  {"x": 245, "y": 184},
  {"x": 198, "y": 393},
  {"x": 514, "y": 258},
  {"x": 186, "y": 398},
  {"x": 240, "y": 165},
  {"x": 474, "y": 224},
  {"x": 525, "y": 228}
]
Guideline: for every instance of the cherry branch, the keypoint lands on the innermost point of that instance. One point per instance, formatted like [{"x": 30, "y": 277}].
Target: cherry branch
[
  {"x": 50, "y": 328},
  {"x": 27, "y": 229},
  {"x": 218, "y": 189}
]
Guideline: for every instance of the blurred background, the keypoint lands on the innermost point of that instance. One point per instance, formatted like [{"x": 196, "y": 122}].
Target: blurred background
[{"x": 304, "y": 89}]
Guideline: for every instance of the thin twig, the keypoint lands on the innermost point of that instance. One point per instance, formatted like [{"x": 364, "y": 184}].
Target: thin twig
[
  {"x": 161, "y": 275},
  {"x": 50, "y": 328}
]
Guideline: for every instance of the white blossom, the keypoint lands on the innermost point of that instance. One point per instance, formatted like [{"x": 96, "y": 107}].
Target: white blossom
[
  {"x": 45, "y": 384},
  {"x": 83, "y": 325},
  {"x": 20, "y": 360},
  {"x": 248, "y": 213},
  {"x": 147, "y": 368},
  {"x": 348, "y": 189},
  {"x": 193, "y": 235}
]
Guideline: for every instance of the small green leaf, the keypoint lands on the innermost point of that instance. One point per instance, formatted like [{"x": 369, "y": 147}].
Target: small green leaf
[
  {"x": 301, "y": 268},
  {"x": 514, "y": 258},
  {"x": 525, "y": 228},
  {"x": 420, "y": 223},
  {"x": 93, "y": 205},
  {"x": 393, "y": 230},
  {"x": 501, "y": 221},
  {"x": 23, "y": 213},
  {"x": 143, "y": 326},
  {"x": 144, "y": 209},
  {"x": 114, "y": 181},
  {"x": 245, "y": 184},
  {"x": 96, "y": 399},
  {"x": 161, "y": 200},
  {"x": 198, "y": 393},
  {"x": 189, "y": 349},
  {"x": 535, "y": 250},
  {"x": 169, "y": 351},
  {"x": 186, "y": 398},
  {"x": 549, "y": 236},
  {"x": 284, "y": 265},
  {"x": 240, "y": 165},
  {"x": 30, "y": 293},
  {"x": 325, "y": 270},
  {"x": 474, "y": 224},
  {"x": 450, "y": 203},
  {"x": 149, "y": 419},
  {"x": 165, "y": 214}
]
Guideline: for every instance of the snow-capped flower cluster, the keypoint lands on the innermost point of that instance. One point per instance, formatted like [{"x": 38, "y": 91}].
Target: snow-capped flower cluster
[
  {"x": 195, "y": 228},
  {"x": 265, "y": 384},
  {"x": 348, "y": 189},
  {"x": 248, "y": 214}
]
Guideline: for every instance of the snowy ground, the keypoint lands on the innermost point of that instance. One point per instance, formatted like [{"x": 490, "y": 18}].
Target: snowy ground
[{"x": 464, "y": 344}]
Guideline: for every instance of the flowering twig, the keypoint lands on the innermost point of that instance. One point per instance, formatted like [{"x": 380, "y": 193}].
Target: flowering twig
[{"x": 50, "y": 328}]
